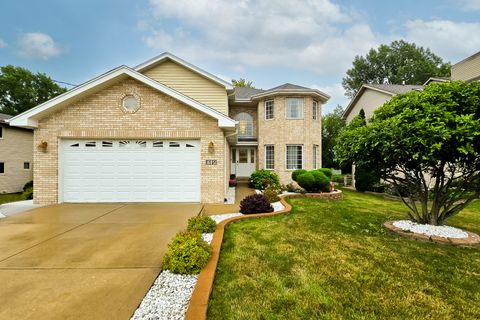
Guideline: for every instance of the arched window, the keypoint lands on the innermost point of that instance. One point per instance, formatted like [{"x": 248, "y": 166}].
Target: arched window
[{"x": 245, "y": 124}]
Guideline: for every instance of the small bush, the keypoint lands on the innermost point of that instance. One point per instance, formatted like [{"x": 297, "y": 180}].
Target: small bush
[
  {"x": 187, "y": 253},
  {"x": 271, "y": 193},
  {"x": 256, "y": 203},
  {"x": 260, "y": 179},
  {"x": 28, "y": 193},
  {"x": 296, "y": 173},
  {"x": 306, "y": 181},
  {"x": 326, "y": 171},
  {"x": 203, "y": 224},
  {"x": 28, "y": 185},
  {"x": 322, "y": 182},
  {"x": 291, "y": 188},
  {"x": 338, "y": 178}
]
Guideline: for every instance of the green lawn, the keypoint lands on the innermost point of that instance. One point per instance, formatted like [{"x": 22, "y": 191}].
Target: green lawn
[
  {"x": 333, "y": 260},
  {"x": 10, "y": 197}
]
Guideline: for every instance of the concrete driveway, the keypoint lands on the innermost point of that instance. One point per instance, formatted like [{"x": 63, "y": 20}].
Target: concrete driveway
[{"x": 84, "y": 261}]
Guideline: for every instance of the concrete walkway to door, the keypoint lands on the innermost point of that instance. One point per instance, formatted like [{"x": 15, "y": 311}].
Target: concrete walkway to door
[{"x": 84, "y": 261}]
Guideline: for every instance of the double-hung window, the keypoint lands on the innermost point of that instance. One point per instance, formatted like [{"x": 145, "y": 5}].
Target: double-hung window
[
  {"x": 268, "y": 109},
  {"x": 315, "y": 156},
  {"x": 269, "y": 157},
  {"x": 294, "y": 155},
  {"x": 315, "y": 110},
  {"x": 294, "y": 108}
]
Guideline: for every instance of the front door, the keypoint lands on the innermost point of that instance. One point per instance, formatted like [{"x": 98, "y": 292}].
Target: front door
[{"x": 243, "y": 161}]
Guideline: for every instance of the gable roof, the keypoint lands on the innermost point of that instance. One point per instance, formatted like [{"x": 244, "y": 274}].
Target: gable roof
[
  {"x": 168, "y": 56},
  {"x": 389, "y": 89},
  {"x": 243, "y": 94},
  {"x": 29, "y": 118}
]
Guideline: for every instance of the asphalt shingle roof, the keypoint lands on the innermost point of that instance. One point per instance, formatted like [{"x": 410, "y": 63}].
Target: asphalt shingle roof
[
  {"x": 396, "y": 88},
  {"x": 4, "y": 117},
  {"x": 245, "y": 93}
]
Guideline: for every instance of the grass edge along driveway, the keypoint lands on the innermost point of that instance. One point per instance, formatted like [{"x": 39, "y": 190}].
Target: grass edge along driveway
[{"x": 333, "y": 260}]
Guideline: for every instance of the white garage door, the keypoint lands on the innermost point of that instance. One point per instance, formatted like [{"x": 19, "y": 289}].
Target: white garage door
[{"x": 130, "y": 171}]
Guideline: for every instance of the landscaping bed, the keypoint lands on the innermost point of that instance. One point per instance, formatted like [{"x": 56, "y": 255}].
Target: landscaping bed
[{"x": 333, "y": 259}]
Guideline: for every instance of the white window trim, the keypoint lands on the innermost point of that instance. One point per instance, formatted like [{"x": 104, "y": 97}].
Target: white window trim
[
  {"x": 265, "y": 110},
  {"x": 315, "y": 156},
  {"x": 303, "y": 157},
  {"x": 265, "y": 156},
  {"x": 315, "y": 110},
  {"x": 303, "y": 109}
]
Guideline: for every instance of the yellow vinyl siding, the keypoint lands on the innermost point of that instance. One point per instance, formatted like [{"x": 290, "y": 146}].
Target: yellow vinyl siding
[
  {"x": 370, "y": 101},
  {"x": 468, "y": 69},
  {"x": 190, "y": 84}
]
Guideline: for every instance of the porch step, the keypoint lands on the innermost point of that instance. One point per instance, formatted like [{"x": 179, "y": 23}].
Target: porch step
[{"x": 243, "y": 179}]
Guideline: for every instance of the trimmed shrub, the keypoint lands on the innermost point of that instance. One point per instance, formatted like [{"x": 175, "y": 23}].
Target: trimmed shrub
[
  {"x": 28, "y": 193},
  {"x": 296, "y": 173},
  {"x": 260, "y": 179},
  {"x": 322, "y": 182},
  {"x": 187, "y": 253},
  {"x": 28, "y": 185},
  {"x": 306, "y": 181},
  {"x": 203, "y": 224},
  {"x": 365, "y": 179},
  {"x": 271, "y": 193},
  {"x": 256, "y": 203},
  {"x": 326, "y": 171}
]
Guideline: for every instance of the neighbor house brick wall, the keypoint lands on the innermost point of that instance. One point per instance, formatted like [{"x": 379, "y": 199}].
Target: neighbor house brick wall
[
  {"x": 280, "y": 131},
  {"x": 16, "y": 147},
  {"x": 101, "y": 116}
]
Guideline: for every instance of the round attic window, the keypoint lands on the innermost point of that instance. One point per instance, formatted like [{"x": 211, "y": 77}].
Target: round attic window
[{"x": 130, "y": 103}]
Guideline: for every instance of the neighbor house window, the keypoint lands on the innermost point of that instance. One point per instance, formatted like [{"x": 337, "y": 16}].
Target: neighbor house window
[
  {"x": 268, "y": 109},
  {"x": 26, "y": 165},
  {"x": 294, "y": 157},
  {"x": 315, "y": 110},
  {"x": 245, "y": 124},
  {"x": 294, "y": 108},
  {"x": 315, "y": 156},
  {"x": 2, "y": 167},
  {"x": 269, "y": 157},
  {"x": 1, "y": 132}
]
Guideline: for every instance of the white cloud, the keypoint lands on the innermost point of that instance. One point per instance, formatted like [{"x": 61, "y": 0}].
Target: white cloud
[
  {"x": 37, "y": 45},
  {"x": 3, "y": 44},
  {"x": 318, "y": 36},
  {"x": 337, "y": 96},
  {"x": 451, "y": 40},
  {"x": 470, "y": 4}
]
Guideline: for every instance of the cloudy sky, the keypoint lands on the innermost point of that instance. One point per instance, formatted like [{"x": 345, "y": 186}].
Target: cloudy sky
[{"x": 310, "y": 43}]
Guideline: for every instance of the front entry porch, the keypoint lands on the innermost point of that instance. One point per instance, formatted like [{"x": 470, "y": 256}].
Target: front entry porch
[{"x": 243, "y": 161}]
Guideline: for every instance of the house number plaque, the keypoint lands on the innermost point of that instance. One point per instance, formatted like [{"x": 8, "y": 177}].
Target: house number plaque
[{"x": 211, "y": 162}]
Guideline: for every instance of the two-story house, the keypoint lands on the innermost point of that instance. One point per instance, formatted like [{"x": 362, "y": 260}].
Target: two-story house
[
  {"x": 16, "y": 156},
  {"x": 167, "y": 131}
]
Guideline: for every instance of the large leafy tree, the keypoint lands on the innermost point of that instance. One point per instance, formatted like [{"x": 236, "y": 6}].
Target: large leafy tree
[
  {"x": 332, "y": 125},
  {"x": 242, "y": 83},
  {"x": 426, "y": 145},
  {"x": 21, "y": 90},
  {"x": 397, "y": 63}
]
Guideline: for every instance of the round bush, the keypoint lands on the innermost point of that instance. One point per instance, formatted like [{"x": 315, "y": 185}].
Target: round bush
[
  {"x": 322, "y": 182},
  {"x": 256, "y": 203},
  {"x": 306, "y": 181},
  {"x": 326, "y": 171},
  {"x": 260, "y": 179},
  {"x": 203, "y": 224},
  {"x": 187, "y": 254},
  {"x": 296, "y": 173}
]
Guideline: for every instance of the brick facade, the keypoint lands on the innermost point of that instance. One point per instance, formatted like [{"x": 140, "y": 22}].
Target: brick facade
[
  {"x": 16, "y": 147},
  {"x": 100, "y": 116},
  {"x": 280, "y": 131}
]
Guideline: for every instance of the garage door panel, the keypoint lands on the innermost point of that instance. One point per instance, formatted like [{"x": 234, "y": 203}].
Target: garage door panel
[{"x": 128, "y": 171}]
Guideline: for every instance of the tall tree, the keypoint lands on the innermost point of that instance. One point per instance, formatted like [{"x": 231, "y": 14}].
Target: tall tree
[
  {"x": 21, "y": 90},
  {"x": 332, "y": 125},
  {"x": 242, "y": 83},
  {"x": 426, "y": 145},
  {"x": 397, "y": 63}
]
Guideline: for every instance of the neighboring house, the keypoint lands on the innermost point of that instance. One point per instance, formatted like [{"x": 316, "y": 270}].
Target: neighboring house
[
  {"x": 167, "y": 131},
  {"x": 16, "y": 156},
  {"x": 372, "y": 96}
]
